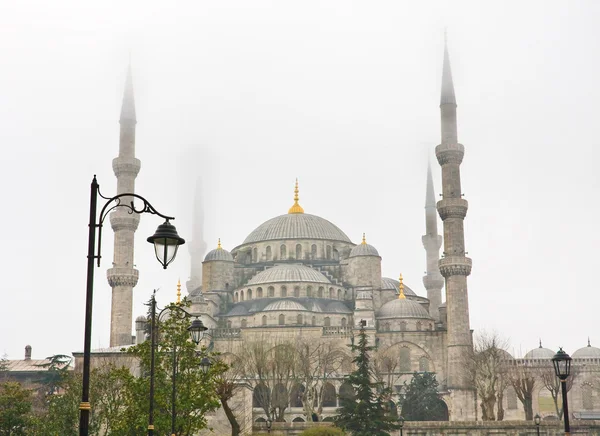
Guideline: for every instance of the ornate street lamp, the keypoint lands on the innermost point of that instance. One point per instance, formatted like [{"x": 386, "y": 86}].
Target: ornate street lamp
[
  {"x": 401, "y": 425},
  {"x": 538, "y": 420},
  {"x": 562, "y": 368},
  {"x": 167, "y": 236},
  {"x": 196, "y": 330}
]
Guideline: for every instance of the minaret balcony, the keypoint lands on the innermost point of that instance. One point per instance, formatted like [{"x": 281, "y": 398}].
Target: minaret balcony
[
  {"x": 452, "y": 208},
  {"x": 126, "y": 166},
  {"x": 120, "y": 219},
  {"x": 432, "y": 242},
  {"x": 455, "y": 266},
  {"x": 450, "y": 153},
  {"x": 122, "y": 277},
  {"x": 433, "y": 281}
]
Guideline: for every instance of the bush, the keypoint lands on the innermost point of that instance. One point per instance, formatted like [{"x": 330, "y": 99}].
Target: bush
[{"x": 323, "y": 431}]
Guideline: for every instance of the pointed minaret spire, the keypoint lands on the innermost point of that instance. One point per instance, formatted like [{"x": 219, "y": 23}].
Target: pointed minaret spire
[
  {"x": 197, "y": 246},
  {"x": 128, "y": 104},
  {"x": 448, "y": 96}
]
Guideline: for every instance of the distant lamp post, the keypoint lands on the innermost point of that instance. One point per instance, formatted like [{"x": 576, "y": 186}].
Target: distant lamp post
[
  {"x": 196, "y": 330},
  {"x": 166, "y": 242},
  {"x": 401, "y": 424},
  {"x": 562, "y": 368},
  {"x": 538, "y": 420},
  {"x": 269, "y": 424}
]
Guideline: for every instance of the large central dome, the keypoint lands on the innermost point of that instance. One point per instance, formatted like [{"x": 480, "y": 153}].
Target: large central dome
[{"x": 296, "y": 226}]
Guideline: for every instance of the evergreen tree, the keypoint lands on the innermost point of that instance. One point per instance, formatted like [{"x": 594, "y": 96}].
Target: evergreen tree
[
  {"x": 421, "y": 400},
  {"x": 365, "y": 413},
  {"x": 15, "y": 409}
]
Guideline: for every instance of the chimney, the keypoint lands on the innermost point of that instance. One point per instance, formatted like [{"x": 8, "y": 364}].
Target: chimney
[{"x": 27, "y": 352}]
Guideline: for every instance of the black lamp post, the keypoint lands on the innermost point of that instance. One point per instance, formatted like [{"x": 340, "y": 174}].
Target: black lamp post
[
  {"x": 196, "y": 330},
  {"x": 165, "y": 236},
  {"x": 401, "y": 425},
  {"x": 269, "y": 424},
  {"x": 562, "y": 368},
  {"x": 538, "y": 420}
]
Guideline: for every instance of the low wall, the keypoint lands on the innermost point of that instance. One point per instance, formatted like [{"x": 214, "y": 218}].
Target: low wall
[{"x": 455, "y": 428}]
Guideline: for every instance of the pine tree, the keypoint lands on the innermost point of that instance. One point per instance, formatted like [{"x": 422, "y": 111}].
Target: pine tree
[
  {"x": 364, "y": 414},
  {"x": 421, "y": 400}
]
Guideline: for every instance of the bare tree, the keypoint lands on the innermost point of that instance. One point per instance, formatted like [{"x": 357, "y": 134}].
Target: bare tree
[
  {"x": 550, "y": 381},
  {"x": 485, "y": 366},
  {"x": 227, "y": 385},
  {"x": 523, "y": 377},
  {"x": 385, "y": 363}
]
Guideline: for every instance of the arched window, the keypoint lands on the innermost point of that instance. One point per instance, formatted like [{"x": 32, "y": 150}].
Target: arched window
[
  {"x": 327, "y": 321},
  {"x": 331, "y": 293},
  {"x": 511, "y": 398},
  {"x": 249, "y": 294},
  {"x": 404, "y": 359},
  {"x": 346, "y": 390},
  {"x": 259, "y": 293},
  {"x": 264, "y": 320},
  {"x": 418, "y": 326},
  {"x": 328, "y": 252},
  {"x": 261, "y": 397},
  {"x": 283, "y": 291},
  {"x": 244, "y": 323},
  {"x": 298, "y": 251},
  {"x": 336, "y": 254},
  {"x": 313, "y": 251},
  {"x": 299, "y": 319},
  {"x": 296, "y": 291},
  {"x": 235, "y": 297},
  {"x": 297, "y": 418},
  {"x": 314, "y": 320},
  {"x": 343, "y": 322},
  {"x": 424, "y": 364},
  {"x": 320, "y": 293},
  {"x": 269, "y": 255},
  {"x": 271, "y": 291},
  {"x": 254, "y": 255},
  {"x": 386, "y": 327},
  {"x": 228, "y": 324},
  {"x": 329, "y": 396},
  {"x": 309, "y": 291},
  {"x": 345, "y": 294},
  {"x": 283, "y": 252},
  {"x": 402, "y": 326},
  {"x": 241, "y": 295},
  {"x": 280, "y": 396},
  {"x": 282, "y": 319},
  {"x": 296, "y": 396},
  {"x": 339, "y": 294}
]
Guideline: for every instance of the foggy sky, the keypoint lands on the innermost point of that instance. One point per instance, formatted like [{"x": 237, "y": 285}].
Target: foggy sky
[{"x": 343, "y": 95}]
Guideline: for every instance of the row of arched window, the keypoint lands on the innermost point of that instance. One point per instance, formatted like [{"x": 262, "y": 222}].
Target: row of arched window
[
  {"x": 279, "y": 396},
  {"x": 403, "y": 326},
  {"x": 321, "y": 292},
  {"x": 269, "y": 255},
  {"x": 299, "y": 320}
]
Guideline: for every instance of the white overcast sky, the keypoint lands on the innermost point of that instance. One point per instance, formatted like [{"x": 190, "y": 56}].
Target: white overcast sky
[{"x": 343, "y": 95}]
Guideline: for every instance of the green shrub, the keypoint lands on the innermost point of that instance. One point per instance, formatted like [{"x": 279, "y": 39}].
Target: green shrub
[{"x": 323, "y": 431}]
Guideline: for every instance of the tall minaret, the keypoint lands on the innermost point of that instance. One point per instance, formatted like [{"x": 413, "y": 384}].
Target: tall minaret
[
  {"x": 122, "y": 277},
  {"x": 198, "y": 246},
  {"x": 432, "y": 242},
  {"x": 454, "y": 265}
]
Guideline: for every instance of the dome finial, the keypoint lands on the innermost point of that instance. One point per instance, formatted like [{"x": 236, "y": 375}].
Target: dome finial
[
  {"x": 589, "y": 345},
  {"x": 401, "y": 296},
  {"x": 219, "y": 244},
  {"x": 178, "y": 291},
  {"x": 296, "y": 208},
  {"x": 364, "y": 241},
  {"x": 541, "y": 343}
]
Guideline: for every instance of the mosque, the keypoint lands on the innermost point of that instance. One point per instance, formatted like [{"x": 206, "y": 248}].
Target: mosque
[{"x": 298, "y": 274}]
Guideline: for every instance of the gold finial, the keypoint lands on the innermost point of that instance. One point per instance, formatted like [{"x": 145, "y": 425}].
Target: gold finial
[
  {"x": 364, "y": 241},
  {"x": 401, "y": 296},
  {"x": 219, "y": 244},
  {"x": 296, "y": 208},
  {"x": 178, "y": 291}
]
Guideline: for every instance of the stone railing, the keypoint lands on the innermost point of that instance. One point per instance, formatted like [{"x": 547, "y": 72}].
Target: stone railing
[
  {"x": 337, "y": 331},
  {"x": 225, "y": 333},
  {"x": 455, "y": 265}
]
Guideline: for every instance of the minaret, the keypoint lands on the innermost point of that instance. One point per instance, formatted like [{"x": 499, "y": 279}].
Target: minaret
[
  {"x": 432, "y": 242},
  {"x": 198, "y": 246},
  {"x": 122, "y": 277},
  {"x": 454, "y": 265}
]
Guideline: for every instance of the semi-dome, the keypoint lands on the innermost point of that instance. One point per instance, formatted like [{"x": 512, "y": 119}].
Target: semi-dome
[
  {"x": 288, "y": 273},
  {"x": 540, "y": 353},
  {"x": 238, "y": 310},
  {"x": 337, "y": 307},
  {"x": 391, "y": 284},
  {"x": 284, "y": 305},
  {"x": 364, "y": 249},
  {"x": 219, "y": 253},
  {"x": 588, "y": 352},
  {"x": 402, "y": 308},
  {"x": 296, "y": 226}
]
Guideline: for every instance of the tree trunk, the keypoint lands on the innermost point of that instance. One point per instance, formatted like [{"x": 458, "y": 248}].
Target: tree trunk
[
  {"x": 235, "y": 426},
  {"x": 528, "y": 406},
  {"x": 500, "y": 415}
]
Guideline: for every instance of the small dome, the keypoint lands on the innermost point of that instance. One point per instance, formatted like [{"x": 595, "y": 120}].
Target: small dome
[
  {"x": 364, "y": 250},
  {"x": 402, "y": 308},
  {"x": 391, "y": 284},
  {"x": 588, "y": 352},
  {"x": 540, "y": 353},
  {"x": 219, "y": 253},
  {"x": 284, "y": 305},
  {"x": 364, "y": 295},
  {"x": 337, "y": 307},
  {"x": 238, "y": 310},
  {"x": 288, "y": 273},
  {"x": 141, "y": 318}
]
